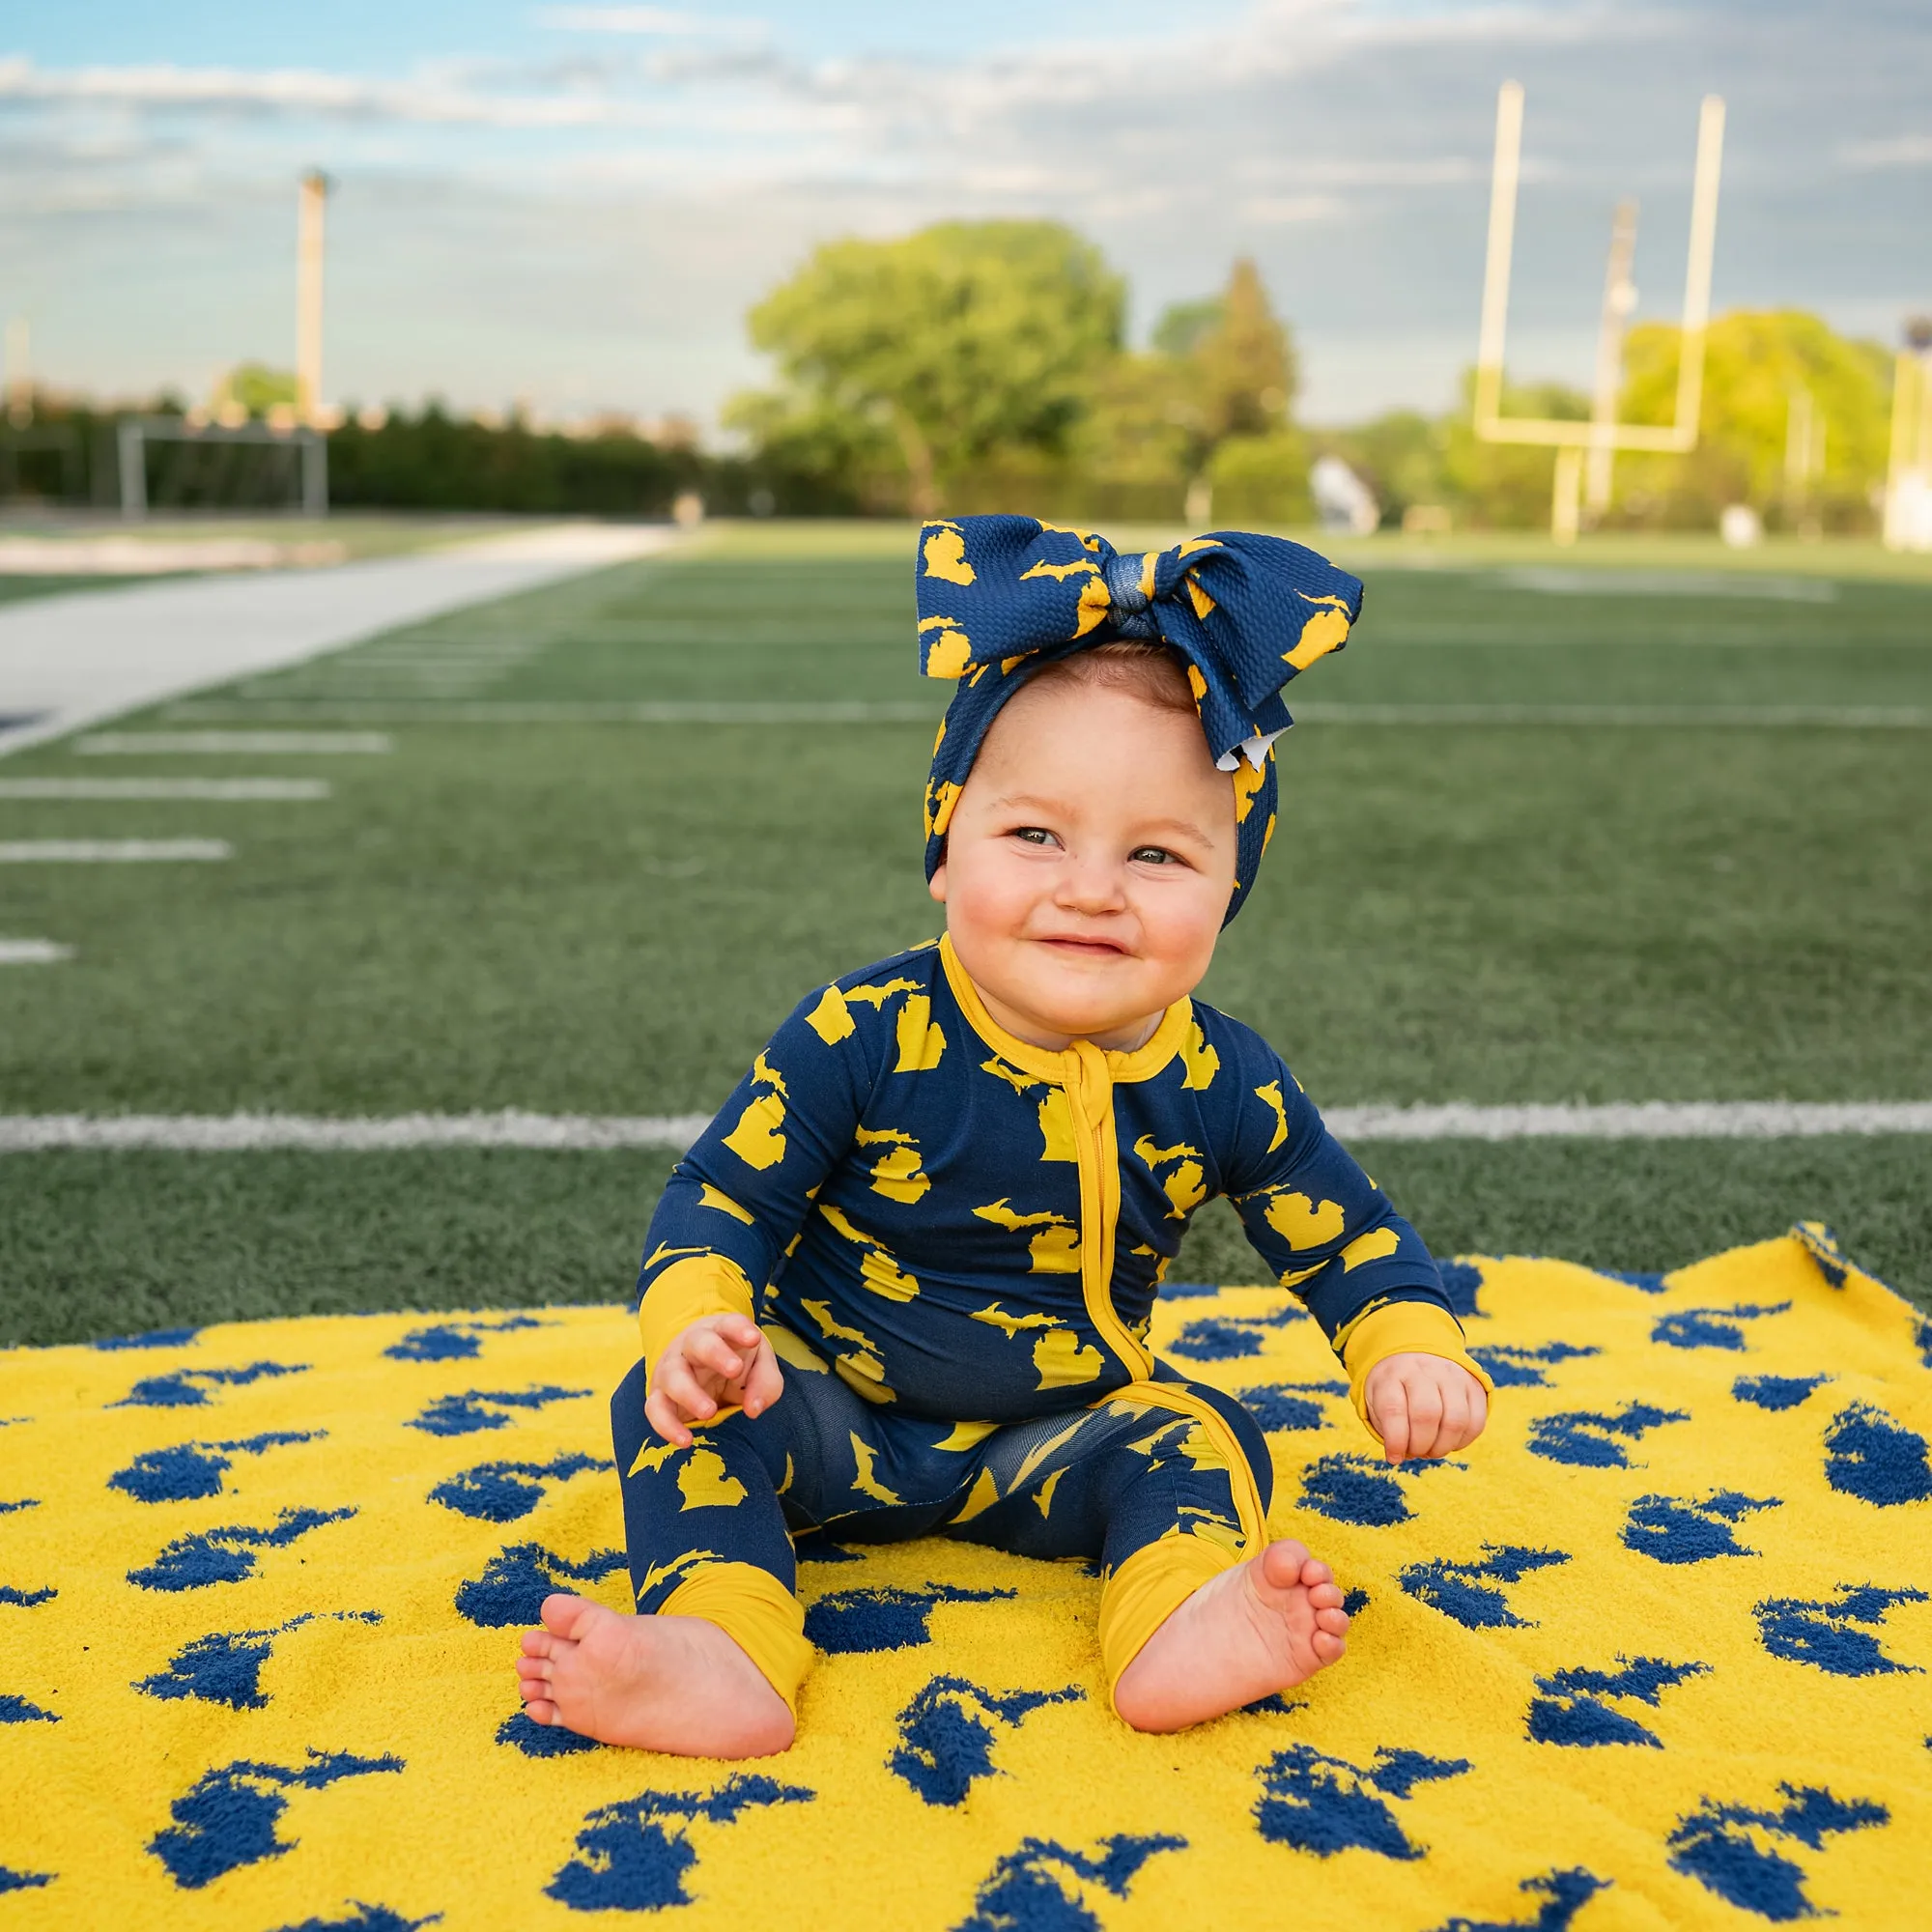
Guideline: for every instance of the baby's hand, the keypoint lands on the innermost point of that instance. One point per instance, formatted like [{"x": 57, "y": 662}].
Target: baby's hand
[
  {"x": 1423, "y": 1405},
  {"x": 720, "y": 1360}
]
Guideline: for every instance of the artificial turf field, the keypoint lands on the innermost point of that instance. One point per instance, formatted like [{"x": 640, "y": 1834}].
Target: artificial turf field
[{"x": 539, "y": 900}]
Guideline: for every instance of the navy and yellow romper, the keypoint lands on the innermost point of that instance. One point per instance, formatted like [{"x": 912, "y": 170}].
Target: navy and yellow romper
[{"x": 954, "y": 1240}]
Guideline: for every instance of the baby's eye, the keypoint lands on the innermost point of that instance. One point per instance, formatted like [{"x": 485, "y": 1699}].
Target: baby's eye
[
  {"x": 1153, "y": 855},
  {"x": 1034, "y": 835}
]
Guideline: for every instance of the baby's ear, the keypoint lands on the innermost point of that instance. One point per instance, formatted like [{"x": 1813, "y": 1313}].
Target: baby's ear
[{"x": 936, "y": 884}]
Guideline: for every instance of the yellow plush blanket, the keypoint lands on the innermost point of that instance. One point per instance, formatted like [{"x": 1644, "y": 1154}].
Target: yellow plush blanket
[{"x": 1655, "y": 1653}]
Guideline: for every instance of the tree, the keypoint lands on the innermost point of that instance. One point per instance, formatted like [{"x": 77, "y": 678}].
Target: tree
[
  {"x": 1757, "y": 367},
  {"x": 1225, "y": 368},
  {"x": 254, "y": 388},
  {"x": 1207, "y": 410},
  {"x": 963, "y": 339}
]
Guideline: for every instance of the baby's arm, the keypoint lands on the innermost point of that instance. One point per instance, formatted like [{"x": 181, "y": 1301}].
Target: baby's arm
[
  {"x": 719, "y": 1359},
  {"x": 730, "y": 1211},
  {"x": 1331, "y": 1235}
]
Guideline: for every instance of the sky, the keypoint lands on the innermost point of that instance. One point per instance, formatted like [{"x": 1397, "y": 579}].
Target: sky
[{"x": 572, "y": 206}]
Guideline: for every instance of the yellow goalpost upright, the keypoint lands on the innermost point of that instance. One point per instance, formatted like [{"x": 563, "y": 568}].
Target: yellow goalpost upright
[{"x": 1601, "y": 436}]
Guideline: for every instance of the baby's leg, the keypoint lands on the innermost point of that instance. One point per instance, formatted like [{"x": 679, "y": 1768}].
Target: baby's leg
[
  {"x": 710, "y": 1665},
  {"x": 1192, "y": 1625}
]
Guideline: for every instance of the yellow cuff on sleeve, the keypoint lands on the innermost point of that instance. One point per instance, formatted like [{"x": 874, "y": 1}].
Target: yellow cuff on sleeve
[
  {"x": 1402, "y": 1329},
  {"x": 1147, "y": 1589},
  {"x": 757, "y": 1612},
  {"x": 688, "y": 1290}
]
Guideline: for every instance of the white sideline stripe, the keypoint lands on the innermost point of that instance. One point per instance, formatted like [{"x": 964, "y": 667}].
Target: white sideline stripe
[
  {"x": 1555, "y": 583},
  {"x": 218, "y": 1133},
  {"x": 1642, "y": 1120},
  {"x": 109, "y": 851},
  {"x": 248, "y": 744},
  {"x": 218, "y": 791},
  {"x": 1883, "y": 717},
  {"x": 669, "y": 711},
  {"x": 483, "y": 711},
  {"x": 74, "y": 662},
  {"x": 33, "y": 953},
  {"x": 1654, "y": 1119}
]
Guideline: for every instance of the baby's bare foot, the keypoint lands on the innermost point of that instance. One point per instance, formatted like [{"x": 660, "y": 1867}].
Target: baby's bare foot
[
  {"x": 1266, "y": 1624},
  {"x": 662, "y": 1684}
]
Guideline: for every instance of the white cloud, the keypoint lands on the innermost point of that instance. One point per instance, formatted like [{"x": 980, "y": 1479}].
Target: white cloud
[
  {"x": 1904, "y": 151},
  {"x": 307, "y": 90}
]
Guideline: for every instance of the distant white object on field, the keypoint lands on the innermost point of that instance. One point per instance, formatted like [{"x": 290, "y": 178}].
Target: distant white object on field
[
  {"x": 1908, "y": 482},
  {"x": 33, "y": 953},
  {"x": 687, "y": 511},
  {"x": 249, "y": 744},
  {"x": 215, "y": 791},
  {"x": 1907, "y": 512},
  {"x": 1741, "y": 526},
  {"x": 1343, "y": 502},
  {"x": 110, "y": 851}
]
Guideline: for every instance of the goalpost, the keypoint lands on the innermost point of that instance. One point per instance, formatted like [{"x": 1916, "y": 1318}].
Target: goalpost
[{"x": 1601, "y": 436}]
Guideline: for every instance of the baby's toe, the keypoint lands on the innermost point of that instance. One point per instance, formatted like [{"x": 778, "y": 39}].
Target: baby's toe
[
  {"x": 1314, "y": 1572},
  {"x": 1325, "y": 1596},
  {"x": 540, "y": 1710},
  {"x": 538, "y": 1643},
  {"x": 1334, "y": 1620},
  {"x": 1282, "y": 1563},
  {"x": 1327, "y": 1646}
]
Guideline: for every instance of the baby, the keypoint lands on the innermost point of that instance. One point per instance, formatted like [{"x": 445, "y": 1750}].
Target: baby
[{"x": 902, "y": 1284}]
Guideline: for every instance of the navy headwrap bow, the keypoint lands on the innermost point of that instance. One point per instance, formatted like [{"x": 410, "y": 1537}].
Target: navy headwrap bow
[{"x": 1000, "y": 596}]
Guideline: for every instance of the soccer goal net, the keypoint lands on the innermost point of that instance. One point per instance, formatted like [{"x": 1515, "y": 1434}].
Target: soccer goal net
[{"x": 167, "y": 463}]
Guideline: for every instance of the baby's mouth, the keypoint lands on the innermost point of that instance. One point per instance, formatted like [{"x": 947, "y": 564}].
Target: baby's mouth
[{"x": 1086, "y": 949}]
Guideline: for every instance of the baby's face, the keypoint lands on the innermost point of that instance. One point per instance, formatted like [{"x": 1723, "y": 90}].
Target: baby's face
[{"x": 1088, "y": 863}]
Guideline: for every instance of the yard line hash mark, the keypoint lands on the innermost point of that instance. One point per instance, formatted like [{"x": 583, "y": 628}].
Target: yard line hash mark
[
  {"x": 212, "y": 791},
  {"x": 110, "y": 851},
  {"x": 248, "y": 744}
]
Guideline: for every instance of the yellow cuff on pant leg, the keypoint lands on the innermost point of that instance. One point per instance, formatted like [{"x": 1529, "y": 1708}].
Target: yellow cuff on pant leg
[
  {"x": 1145, "y": 1590},
  {"x": 757, "y": 1612}
]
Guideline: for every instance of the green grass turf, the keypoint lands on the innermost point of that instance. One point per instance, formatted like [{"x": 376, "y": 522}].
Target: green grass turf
[
  {"x": 95, "y": 1244},
  {"x": 611, "y": 918}
]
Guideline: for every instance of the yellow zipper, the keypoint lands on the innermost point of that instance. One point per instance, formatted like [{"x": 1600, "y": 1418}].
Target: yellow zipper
[
  {"x": 1083, "y": 1071},
  {"x": 1089, "y": 1088}
]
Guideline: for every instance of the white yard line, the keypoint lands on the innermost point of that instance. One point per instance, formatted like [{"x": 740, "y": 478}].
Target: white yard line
[
  {"x": 1672, "y": 583},
  {"x": 239, "y": 744},
  {"x": 677, "y": 711},
  {"x": 109, "y": 851},
  {"x": 33, "y": 953},
  {"x": 487, "y": 711},
  {"x": 215, "y": 791},
  {"x": 229, "y": 1133},
  {"x": 224, "y": 1133},
  {"x": 68, "y": 662},
  {"x": 1633, "y": 1120},
  {"x": 1879, "y": 717}
]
